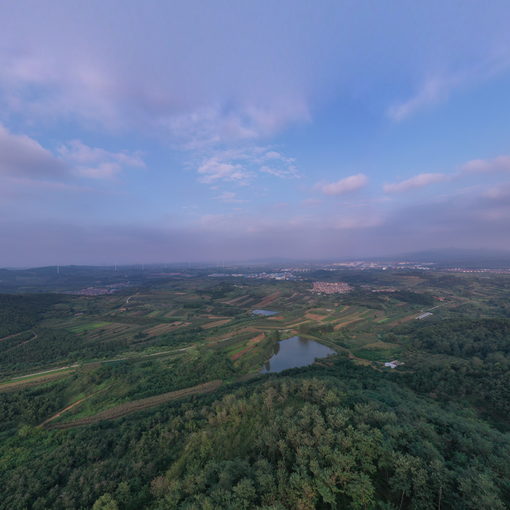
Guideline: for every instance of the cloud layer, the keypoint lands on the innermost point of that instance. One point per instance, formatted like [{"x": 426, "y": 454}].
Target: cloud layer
[
  {"x": 21, "y": 156},
  {"x": 343, "y": 186},
  {"x": 169, "y": 131},
  {"x": 418, "y": 181}
]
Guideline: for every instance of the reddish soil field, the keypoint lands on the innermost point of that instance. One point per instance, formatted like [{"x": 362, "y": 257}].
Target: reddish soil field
[
  {"x": 268, "y": 300},
  {"x": 216, "y": 323}
]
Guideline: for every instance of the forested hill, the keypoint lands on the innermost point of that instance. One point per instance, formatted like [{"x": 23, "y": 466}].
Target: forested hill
[
  {"x": 21, "y": 312},
  {"x": 469, "y": 360},
  {"x": 320, "y": 437}
]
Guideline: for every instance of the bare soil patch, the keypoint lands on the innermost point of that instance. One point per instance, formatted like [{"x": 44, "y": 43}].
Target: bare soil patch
[
  {"x": 61, "y": 412},
  {"x": 237, "y": 300},
  {"x": 11, "y": 336},
  {"x": 215, "y": 324},
  {"x": 257, "y": 339},
  {"x": 315, "y": 316},
  {"x": 343, "y": 324},
  {"x": 268, "y": 300},
  {"x": 164, "y": 328},
  {"x": 34, "y": 381},
  {"x": 251, "y": 344}
]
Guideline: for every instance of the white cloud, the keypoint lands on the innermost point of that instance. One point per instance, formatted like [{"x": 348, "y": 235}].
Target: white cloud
[
  {"x": 210, "y": 129},
  {"x": 347, "y": 185},
  {"x": 244, "y": 164},
  {"x": 438, "y": 86},
  {"x": 229, "y": 197},
  {"x": 418, "y": 181},
  {"x": 24, "y": 157},
  {"x": 104, "y": 170},
  {"x": 500, "y": 193},
  {"x": 290, "y": 171},
  {"x": 279, "y": 165},
  {"x": 432, "y": 91},
  {"x": 21, "y": 155},
  {"x": 217, "y": 125},
  {"x": 499, "y": 164},
  {"x": 215, "y": 169},
  {"x": 80, "y": 153},
  {"x": 98, "y": 163},
  {"x": 473, "y": 167},
  {"x": 198, "y": 90}
]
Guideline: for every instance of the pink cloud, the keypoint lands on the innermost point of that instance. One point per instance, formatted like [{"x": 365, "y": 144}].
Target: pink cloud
[
  {"x": 431, "y": 92},
  {"x": 347, "y": 185},
  {"x": 418, "y": 181},
  {"x": 98, "y": 163},
  {"x": 498, "y": 164},
  {"x": 21, "y": 155}
]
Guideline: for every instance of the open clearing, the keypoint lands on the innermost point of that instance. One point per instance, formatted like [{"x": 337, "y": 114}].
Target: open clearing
[
  {"x": 81, "y": 328},
  {"x": 343, "y": 324},
  {"x": 215, "y": 324},
  {"x": 315, "y": 316},
  {"x": 267, "y": 300},
  {"x": 249, "y": 346},
  {"x": 35, "y": 379},
  {"x": 12, "y": 336},
  {"x": 61, "y": 412},
  {"x": 164, "y": 328},
  {"x": 139, "y": 405}
]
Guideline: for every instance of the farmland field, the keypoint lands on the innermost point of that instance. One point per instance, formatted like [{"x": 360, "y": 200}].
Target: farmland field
[{"x": 161, "y": 351}]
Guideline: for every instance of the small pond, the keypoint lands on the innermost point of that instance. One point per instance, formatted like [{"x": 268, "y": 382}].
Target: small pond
[
  {"x": 295, "y": 352},
  {"x": 265, "y": 313}
]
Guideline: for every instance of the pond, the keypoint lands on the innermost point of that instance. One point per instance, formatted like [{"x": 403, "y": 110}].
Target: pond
[
  {"x": 265, "y": 313},
  {"x": 295, "y": 352}
]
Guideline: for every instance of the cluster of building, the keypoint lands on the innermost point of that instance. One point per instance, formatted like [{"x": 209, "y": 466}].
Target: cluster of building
[
  {"x": 331, "y": 287},
  {"x": 93, "y": 291},
  {"x": 393, "y": 364},
  {"x": 99, "y": 291},
  {"x": 281, "y": 275},
  {"x": 380, "y": 289},
  {"x": 464, "y": 270},
  {"x": 284, "y": 275},
  {"x": 363, "y": 265}
]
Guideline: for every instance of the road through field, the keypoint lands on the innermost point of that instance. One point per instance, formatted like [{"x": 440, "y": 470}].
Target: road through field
[{"x": 33, "y": 377}]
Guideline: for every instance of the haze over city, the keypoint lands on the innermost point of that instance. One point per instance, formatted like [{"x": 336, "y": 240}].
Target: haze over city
[{"x": 138, "y": 132}]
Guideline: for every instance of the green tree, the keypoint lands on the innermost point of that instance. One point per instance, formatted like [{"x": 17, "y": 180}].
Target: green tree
[{"x": 105, "y": 502}]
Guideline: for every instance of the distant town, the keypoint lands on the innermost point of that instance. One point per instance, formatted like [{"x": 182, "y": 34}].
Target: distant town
[{"x": 331, "y": 288}]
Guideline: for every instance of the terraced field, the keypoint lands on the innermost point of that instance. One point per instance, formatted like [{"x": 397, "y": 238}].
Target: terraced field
[
  {"x": 131, "y": 407},
  {"x": 197, "y": 318}
]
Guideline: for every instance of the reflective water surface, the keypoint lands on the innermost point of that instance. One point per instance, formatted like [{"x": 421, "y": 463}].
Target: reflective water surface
[{"x": 295, "y": 352}]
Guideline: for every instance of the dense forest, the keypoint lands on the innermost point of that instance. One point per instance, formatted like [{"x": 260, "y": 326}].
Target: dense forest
[
  {"x": 487, "y": 338},
  {"x": 336, "y": 437},
  {"x": 18, "y": 313},
  {"x": 476, "y": 367}
]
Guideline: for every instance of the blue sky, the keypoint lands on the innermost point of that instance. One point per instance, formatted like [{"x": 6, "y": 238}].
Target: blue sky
[{"x": 201, "y": 131}]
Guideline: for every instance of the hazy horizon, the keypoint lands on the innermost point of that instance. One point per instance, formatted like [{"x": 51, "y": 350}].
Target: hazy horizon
[{"x": 132, "y": 132}]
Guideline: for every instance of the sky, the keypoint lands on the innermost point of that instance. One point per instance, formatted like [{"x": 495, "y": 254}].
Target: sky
[{"x": 201, "y": 131}]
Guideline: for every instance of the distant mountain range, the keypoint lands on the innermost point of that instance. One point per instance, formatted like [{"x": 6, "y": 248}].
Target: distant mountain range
[
  {"x": 458, "y": 257},
  {"x": 451, "y": 257}
]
